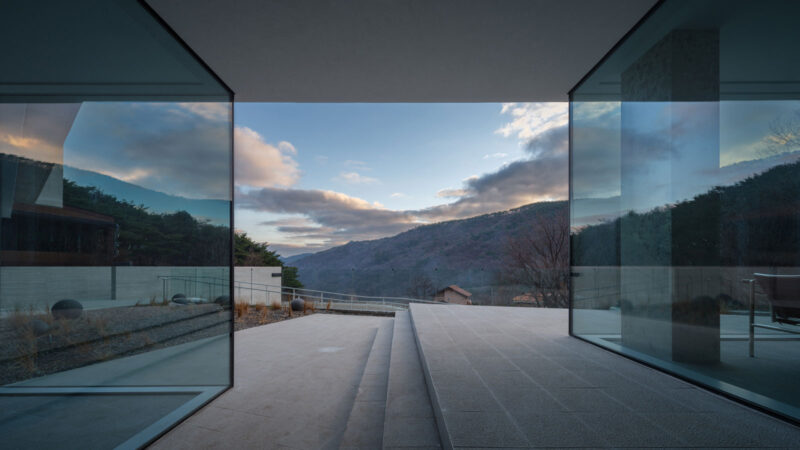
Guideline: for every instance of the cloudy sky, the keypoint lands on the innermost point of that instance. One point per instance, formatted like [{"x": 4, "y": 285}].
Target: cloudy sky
[
  {"x": 312, "y": 176},
  {"x": 333, "y": 173}
]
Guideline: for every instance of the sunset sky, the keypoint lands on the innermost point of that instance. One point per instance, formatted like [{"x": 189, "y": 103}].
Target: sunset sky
[{"x": 341, "y": 172}]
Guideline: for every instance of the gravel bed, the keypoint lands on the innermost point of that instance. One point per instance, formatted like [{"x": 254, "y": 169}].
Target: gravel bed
[
  {"x": 106, "y": 334},
  {"x": 100, "y": 335},
  {"x": 253, "y": 317}
]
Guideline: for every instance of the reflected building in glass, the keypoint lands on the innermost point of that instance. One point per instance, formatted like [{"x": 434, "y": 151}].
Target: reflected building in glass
[
  {"x": 115, "y": 227},
  {"x": 685, "y": 202}
]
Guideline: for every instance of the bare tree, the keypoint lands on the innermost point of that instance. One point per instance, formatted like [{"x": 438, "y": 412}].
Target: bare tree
[
  {"x": 539, "y": 259},
  {"x": 420, "y": 286},
  {"x": 783, "y": 137}
]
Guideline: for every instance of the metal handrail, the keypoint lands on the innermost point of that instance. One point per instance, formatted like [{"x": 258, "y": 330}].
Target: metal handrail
[{"x": 322, "y": 297}]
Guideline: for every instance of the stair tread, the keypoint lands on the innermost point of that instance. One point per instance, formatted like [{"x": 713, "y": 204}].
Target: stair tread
[
  {"x": 365, "y": 424},
  {"x": 409, "y": 420}
]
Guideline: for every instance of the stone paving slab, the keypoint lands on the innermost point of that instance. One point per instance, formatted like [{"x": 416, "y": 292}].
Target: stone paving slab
[
  {"x": 513, "y": 378},
  {"x": 295, "y": 383}
]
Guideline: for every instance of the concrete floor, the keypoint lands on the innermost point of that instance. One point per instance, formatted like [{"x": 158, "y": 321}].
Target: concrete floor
[
  {"x": 295, "y": 386},
  {"x": 513, "y": 378},
  {"x": 777, "y": 355},
  {"x": 126, "y": 400},
  {"x": 450, "y": 376}
]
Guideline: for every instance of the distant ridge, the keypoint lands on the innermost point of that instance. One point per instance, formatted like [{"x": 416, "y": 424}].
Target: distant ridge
[
  {"x": 290, "y": 260},
  {"x": 467, "y": 252},
  {"x": 216, "y": 211}
]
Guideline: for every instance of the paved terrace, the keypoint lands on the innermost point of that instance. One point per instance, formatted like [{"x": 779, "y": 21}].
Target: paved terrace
[{"x": 457, "y": 377}]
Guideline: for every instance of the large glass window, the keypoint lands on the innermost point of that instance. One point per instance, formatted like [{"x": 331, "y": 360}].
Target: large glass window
[
  {"x": 115, "y": 227},
  {"x": 685, "y": 202}
]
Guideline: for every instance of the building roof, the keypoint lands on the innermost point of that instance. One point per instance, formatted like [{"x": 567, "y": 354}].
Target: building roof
[
  {"x": 401, "y": 50},
  {"x": 456, "y": 289},
  {"x": 64, "y": 213}
]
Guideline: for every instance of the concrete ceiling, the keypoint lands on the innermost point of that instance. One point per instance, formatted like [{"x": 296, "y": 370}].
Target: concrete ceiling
[{"x": 401, "y": 50}]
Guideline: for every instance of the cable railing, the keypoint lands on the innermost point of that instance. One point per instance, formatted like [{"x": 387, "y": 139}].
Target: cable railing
[{"x": 253, "y": 293}]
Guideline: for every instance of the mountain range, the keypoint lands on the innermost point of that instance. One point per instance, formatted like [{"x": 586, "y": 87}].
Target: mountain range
[{"x": 470, "y": 253}]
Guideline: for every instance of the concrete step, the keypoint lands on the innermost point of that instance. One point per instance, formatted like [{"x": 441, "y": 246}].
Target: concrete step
[
  {"x": 364, "y": 428},
  {"x": 409, "y": 421}
]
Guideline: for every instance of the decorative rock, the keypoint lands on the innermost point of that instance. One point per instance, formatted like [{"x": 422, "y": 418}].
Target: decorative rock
[
  {"x": 67, "y": 309},
  {"x": 297, "y": 304},
  {"x": 179, "y": 295},
  {"x": 39, "y": 327},
  {"x": 181, "y": 300},
  {"x": 223, "y": 301}
]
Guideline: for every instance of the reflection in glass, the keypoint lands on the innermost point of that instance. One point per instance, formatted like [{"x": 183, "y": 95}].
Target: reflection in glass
[
  {"x": 115, "y": 243},
  {"x": 684, "y": 187}
]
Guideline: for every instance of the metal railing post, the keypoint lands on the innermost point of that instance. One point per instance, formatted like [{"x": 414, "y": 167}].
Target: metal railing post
[{"x": 751, "y": 316}]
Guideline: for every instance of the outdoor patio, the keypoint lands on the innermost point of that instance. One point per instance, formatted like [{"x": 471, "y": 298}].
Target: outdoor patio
[{"x": 461, "y": 377}]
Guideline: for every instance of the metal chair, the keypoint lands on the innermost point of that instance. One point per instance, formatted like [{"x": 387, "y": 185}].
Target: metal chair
[{"x": 783, "y": 293}]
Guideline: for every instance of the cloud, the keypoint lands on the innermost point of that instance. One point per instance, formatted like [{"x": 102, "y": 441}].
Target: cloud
[
  {"x": 176, "y": 148},
  {"x": 332, "y": 218},
  {"x": 451, "y": 193},
  {"x": 553, "y": 141},
  {"x": 341, "y": 218},
  {"x": 528, "y": 120},
  {"x": 260, "y": 164},
  {"x": 398, "y": 195},
  {"x": 516, "y": 184},
  {"x": 215, "y": 112},
  {"x": 304, "y": 230},
  {"x": 354, "y": 178},
  {"x": 356, "y": 165},
  {"x": 36, "y": 131}
]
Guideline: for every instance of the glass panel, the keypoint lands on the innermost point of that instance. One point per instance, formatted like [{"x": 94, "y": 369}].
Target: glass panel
[
  {"x": 684, "y": 168},
  {"x": 115, "y": 232}
]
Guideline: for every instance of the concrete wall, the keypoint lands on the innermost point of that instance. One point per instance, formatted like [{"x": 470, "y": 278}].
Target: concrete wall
[
  {"x": 257, "y": 284},
  {"x": 99, "y": 287},
  {"x": 601, "y": 287},
  {"x": 103, "y": 287}
]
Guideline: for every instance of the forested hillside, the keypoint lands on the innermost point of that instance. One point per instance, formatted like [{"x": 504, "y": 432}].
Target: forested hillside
[
  {"x": 755, "y": 222},
  {"x": 472, "y": 253}
]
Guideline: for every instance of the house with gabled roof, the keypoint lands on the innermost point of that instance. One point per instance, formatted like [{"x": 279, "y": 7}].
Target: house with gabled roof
[{"x": 453, "y": 294}]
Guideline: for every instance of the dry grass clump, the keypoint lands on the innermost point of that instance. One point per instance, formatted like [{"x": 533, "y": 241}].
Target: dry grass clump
[
  {"x": 309, "y": 306},
  {"x": 275, "y": 306},
  {"x": 241, "y": 308},
  {"x": 328, "y": 306},
  {"x": 100, "y": 324},
  {"x": 261, "y": 307}
]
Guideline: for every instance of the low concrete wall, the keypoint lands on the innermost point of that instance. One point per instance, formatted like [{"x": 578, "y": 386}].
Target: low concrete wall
[
  {"x": 101, "y": 287},
  {"x": 23, "y": 287},
  {"x": 257, "y": 284},
  {"x": 602, "y": 287}
]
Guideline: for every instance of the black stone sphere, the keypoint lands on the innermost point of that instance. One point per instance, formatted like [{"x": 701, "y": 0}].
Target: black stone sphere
[
  {"x": 178, "y": 296},
  {"x": 297, "y": 304},
  {"x": 67, "y": 309},
  {"x": 223, "y": 301}
]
